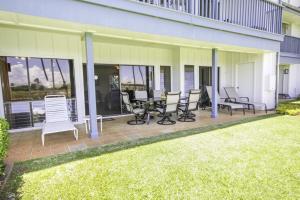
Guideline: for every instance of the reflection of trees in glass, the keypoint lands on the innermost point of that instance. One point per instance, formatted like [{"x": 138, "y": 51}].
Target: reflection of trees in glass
[
  {"x": 33, "y": 78},
  {"x": 136, "y": 78}
]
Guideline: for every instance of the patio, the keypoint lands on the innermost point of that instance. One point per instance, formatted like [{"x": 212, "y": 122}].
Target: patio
[{"x": 27, "y": 145}]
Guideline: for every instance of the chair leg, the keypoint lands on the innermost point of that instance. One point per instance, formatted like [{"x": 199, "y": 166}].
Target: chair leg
[
  {"x": 253, "y": 106},
  {"x": 244, "y": 111},
  {"x": 43, "y": 139},
  {"x": 76, "y": 133},
  {"x": 266, "y": 109}
]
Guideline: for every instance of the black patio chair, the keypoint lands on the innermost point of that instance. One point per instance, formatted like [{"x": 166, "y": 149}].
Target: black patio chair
[
  {"x": 190, "y": 105},
  {"x": 168, "y": 108},
  {"x": 139, "y": 113}
]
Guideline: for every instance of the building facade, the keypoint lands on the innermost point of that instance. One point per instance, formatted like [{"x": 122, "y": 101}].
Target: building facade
[
  {"x": 289, "y": 83},
  {"x": 90, "y": 50}
]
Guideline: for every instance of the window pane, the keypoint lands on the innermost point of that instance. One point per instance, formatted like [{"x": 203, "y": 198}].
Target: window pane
[
  {"x": 136, "y": 78},
  {"x": 188, "y": 78},
  {"x": 62, "y": 77},
  {"x": 165, "y": 78},
  {"x": 17, "y": 79},
  {"x": 140, "y": 77},
  {"x": 40, "y": 73}
]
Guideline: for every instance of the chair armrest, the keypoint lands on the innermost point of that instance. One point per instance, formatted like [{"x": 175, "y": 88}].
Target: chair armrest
[
  {"x": 247, "y": 98},
  {"x": 230, "y": 99}
]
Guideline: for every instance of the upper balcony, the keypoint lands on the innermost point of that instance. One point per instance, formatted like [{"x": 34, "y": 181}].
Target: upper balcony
[
  {"x": 257, "y": 14},
  {"x": 290, "y": 45},
  {"x": 290, "y": 50}
]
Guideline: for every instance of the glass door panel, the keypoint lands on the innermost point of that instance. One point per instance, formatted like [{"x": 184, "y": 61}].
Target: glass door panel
[{"x": 107, "y": 87}]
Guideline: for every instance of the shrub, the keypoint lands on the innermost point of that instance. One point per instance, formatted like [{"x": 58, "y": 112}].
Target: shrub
[
  {"x": 3, "y": 143},
  {"x": 289, "y": 108}
]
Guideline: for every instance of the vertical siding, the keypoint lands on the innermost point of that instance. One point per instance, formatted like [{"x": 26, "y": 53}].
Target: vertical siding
[{"x": 32, "y": 43}]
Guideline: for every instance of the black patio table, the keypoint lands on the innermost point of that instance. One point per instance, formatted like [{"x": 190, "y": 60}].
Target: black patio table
[{"x": 148, "y": 102}]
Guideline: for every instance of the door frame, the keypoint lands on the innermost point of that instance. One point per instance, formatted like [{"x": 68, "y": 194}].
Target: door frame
[{"x": 236, "y": 85}]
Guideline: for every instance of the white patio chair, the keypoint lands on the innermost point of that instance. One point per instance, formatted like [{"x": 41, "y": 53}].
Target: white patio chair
[
  {"x": 157, "y": 93},
  {"x": 190, "y": 105},
  {"x": 139, "y": 113},
  {"x": 141, "y": 94},
  {"x": 221, "y": 102},
  {"x": 169, "y": 108},
  {"x": 233, "y": 96},
  {"x": 57, "y": 119}
]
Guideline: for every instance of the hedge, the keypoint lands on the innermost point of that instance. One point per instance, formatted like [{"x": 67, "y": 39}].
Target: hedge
[
  {"x": 3, "y": 143},
  {"x": 289, "y": 107}
]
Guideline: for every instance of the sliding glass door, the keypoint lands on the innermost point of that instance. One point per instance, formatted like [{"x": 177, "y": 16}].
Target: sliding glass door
[
  {"x": 205, "y": 79},
  {"x": 107, "y": 86},
  {"x": 136, "y": 78},
  {"x": 111, "y": 79}
]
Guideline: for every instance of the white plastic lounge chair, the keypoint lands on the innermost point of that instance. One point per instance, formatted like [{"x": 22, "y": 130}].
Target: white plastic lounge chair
[
  {"x": 221, "y": 102},
  {"x": 57, "y": 119},
  {"x": 233, "y": 96}
]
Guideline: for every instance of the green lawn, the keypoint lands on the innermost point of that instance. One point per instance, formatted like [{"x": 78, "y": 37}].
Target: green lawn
[{"x": 255, "y": 159}]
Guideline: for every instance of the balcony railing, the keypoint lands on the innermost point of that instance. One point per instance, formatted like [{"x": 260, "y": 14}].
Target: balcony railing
[
  {"x": 258, "y": 14},
  {"x": 25, "y": 114},
  {"x": 290, "y": 45}
]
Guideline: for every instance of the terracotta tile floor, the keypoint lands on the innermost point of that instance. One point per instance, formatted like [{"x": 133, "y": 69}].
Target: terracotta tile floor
[{"x": 27, "y": 145}]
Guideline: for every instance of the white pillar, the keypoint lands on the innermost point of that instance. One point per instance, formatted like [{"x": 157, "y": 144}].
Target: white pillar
[
  {"x": 157, "y": 77},
  {"x": 214, "y": 101},
  {"x": 91, "y": 85}
]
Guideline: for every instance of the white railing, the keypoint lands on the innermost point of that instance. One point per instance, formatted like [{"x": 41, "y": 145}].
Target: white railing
[
  {"x": 25, "y": 114},
  {"x": 258, "y": 14}
]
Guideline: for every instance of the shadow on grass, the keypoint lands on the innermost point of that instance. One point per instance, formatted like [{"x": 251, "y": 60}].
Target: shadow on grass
[{"x": 15, "y": 180}]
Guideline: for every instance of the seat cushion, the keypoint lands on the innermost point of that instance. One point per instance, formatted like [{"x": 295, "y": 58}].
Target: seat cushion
[
  {"x": 54, "y": 127},
  {"x": 138, "y": 111},
  {"x": 233, "y": 105}
]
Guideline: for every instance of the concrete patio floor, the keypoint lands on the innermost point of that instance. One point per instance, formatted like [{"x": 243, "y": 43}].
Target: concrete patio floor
[{"x": 27, "y": 145}]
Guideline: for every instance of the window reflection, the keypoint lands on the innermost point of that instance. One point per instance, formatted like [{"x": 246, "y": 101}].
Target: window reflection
[
  {"x": 25, "y": 83},
  {"x": 17, "y": 79},
  {"x": 41, "y": 80},
  {"x": 134, "y": 78}
]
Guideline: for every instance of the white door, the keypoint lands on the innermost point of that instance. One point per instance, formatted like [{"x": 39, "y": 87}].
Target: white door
[{"x": 245, "y": 83}]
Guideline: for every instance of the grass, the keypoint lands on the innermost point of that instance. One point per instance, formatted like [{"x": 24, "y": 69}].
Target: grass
[
  {"x": 289, "y": 107},
  {"x": 247, "y": 160}
]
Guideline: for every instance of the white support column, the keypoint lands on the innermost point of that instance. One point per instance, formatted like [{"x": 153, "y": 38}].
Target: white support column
[
  {"x": 157, "y": 77},
  {"x": 214, "y": 101},
  {"x": 91, "y": 85},
  {"x": 1, "y": 100},
  {"x": 277, "y": 79}
]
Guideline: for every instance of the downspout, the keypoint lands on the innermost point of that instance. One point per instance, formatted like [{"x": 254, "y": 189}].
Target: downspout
[{"x": 277, "y": 78}]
